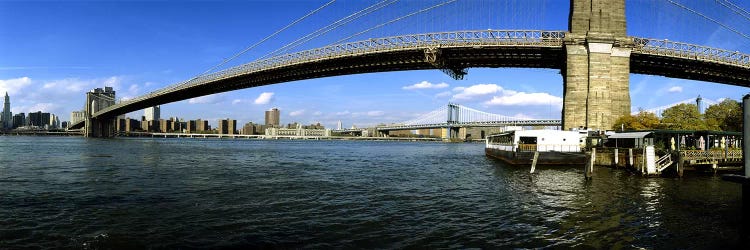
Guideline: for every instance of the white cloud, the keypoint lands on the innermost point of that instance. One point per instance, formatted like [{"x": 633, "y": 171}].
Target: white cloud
[
  {"x": 443, "y": 94},
  {"x": 375, "y": 113},
  {"x": 45, "y": 107},
  {"x": 513, "y": 98},
  {"x": 522, "y": 116},
  {"x": 343, "y": 113},
  {"x": 297, "y": 112},
  {"x": 236, "y": 101},
  {"x": 14, "y": 86},
  {"x": 675, "y": 89},
  {"x": 318, "y": 113},
  {"x": 475, "y": 91},
  {"x": 264, "y": 98},
  {"x": 208, "y": 99},
  {"x": 426, "y": 85}
]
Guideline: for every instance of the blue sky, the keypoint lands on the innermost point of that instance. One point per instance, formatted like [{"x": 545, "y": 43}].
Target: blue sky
[{"x": 51, "y": 53}]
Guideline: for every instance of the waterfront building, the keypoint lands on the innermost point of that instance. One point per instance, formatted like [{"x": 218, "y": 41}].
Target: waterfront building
[
  {"x": 272, "y": 117},
  {"x": 7, "y": 117},
  {"x": 338, "y": 126},
  {"x": 64, "y": 125},
  {"x": 128, "y": 125},
  {"x": 202, "y": 126},
  {"x": 298, "y": 131},
  {"x": 190, "y": 126},
  {"x": 77, "y": 116},
  {"x": 227, "y": 126},
  {"x": 39, "y": 119},
  {"x": 152, "y": 113},
  {"x": 54, "y": 121},
  {"x": 165, "y": 126},
  {"x": 251, "y": 128},
  {"x": 19, "y": 120}
]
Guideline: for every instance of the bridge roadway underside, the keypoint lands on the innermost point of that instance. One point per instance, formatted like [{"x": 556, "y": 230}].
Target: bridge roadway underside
[
  {"x": 459, "y": 58},
  {"x": 701, "y": 70}
]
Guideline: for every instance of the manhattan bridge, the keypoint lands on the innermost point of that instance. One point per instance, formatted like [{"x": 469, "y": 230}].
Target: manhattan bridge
[{"x": 595, "y": 54}]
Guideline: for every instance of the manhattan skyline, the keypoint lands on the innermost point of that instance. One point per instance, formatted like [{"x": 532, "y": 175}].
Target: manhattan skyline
[{"x": 55, "y": 52}]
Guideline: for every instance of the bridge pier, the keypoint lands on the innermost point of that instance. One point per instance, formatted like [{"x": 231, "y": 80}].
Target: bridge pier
[
  {"x": 102, "y": 128},
  {"x": 596, "y": 75}
]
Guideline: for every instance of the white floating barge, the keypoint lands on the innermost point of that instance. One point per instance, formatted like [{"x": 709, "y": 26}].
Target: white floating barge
[{"x": 555, "y": 147}]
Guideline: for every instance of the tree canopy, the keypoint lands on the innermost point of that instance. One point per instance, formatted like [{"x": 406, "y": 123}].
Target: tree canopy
[
  {"x": 726, "y": 116},
  {"x": 642, "y": 120},
  {"x": 683, "y": 117}
]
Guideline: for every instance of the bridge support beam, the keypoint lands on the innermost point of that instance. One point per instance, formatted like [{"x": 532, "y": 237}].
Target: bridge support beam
[{"x": 597, "y": 67}]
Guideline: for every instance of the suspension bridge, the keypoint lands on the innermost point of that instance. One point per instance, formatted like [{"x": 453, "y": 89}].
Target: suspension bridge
[
  {"x": 595, "y": 56},
  {"x": 459, "y": 116}
]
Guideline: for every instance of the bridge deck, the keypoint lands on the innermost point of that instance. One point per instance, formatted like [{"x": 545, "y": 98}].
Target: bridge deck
[{"x": 452, "y": 51}]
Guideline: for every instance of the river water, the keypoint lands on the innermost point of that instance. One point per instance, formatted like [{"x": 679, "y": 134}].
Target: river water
[{"x": 72, "y": 192}]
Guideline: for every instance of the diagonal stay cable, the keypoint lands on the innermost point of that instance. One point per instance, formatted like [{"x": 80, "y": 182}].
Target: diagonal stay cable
[
  {"x": 267, "y": 37},
  {"x": 737, "y": 7},
  {"x": 710, "y": 19},
  {"x": 322, "y": 31},
  {"x": 734, "y": 8},
  {"x": 394, "y": 20}
]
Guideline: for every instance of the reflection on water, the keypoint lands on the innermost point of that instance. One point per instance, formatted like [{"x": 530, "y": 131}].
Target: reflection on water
[{"x": 173, "y": 193}]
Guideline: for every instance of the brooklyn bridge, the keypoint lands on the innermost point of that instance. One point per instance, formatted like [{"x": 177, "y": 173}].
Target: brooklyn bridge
[{"x": 595, "y": 57}]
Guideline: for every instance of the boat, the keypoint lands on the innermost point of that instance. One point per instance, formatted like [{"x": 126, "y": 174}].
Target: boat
[{"x": 555, "y": 147}]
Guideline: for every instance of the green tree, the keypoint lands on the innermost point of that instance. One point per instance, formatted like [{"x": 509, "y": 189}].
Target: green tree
[
  {"x": 726, "y": 116},
  {"x": 682, "y": 117},
  {"x": 642, "y": 120}
]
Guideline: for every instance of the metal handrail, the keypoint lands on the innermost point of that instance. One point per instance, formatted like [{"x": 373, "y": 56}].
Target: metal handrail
[{"x": 664, "y": 47}]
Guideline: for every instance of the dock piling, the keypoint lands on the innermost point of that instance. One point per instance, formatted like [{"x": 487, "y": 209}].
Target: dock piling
[
  {"x": 533, "y": 162},
  {"x": 589, "y": 167}
]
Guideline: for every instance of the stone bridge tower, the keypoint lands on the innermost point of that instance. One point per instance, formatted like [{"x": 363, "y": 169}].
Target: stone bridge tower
[
  {"x": 98, "y": 99},
  {"x": 596, "y": 75}
]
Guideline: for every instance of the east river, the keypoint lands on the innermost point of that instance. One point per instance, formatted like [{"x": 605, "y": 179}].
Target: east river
[{"x": 72, "y": 192}]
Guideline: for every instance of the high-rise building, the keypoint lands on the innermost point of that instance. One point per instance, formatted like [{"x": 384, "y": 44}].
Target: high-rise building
[
  {"x": 338, "y": 126},
  {"x": 227, "y": 126},
  {"x": 7, "y": 116},
  {"x": 152, "y": 113},
  {"x": 19, "y": 120},
  {"x": 272, "y": 117},
  {"x": 77, "y": 116},
  {"x": 39, "y": 119}
]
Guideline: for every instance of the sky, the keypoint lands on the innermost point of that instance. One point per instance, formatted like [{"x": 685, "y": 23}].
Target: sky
[{"x": 53, "y": 52}]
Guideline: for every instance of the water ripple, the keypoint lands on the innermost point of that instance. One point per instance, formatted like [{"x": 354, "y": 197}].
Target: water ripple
[{"x": 208, "y": 193}]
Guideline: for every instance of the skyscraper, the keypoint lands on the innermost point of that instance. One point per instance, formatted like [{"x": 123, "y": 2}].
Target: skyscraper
[
  {"x": 338, "y": 126},
  {"x": 7, "y": 117},
  {"x": 152, "y": 113},
  {"x": 272, "y": 117}
]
